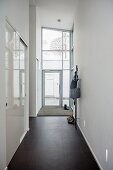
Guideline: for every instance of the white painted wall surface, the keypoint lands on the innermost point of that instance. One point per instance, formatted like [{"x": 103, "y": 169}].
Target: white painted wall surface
[
  {"x": 32, "y": 60},
  {"x": 38, "y": 56},
  {"x": 17, "y": 12},
  {"x": 94, "y": 56},
  {"x": 35, "y": 66}
]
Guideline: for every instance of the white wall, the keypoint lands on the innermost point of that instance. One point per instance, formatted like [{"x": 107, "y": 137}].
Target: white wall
[
  {"x": 17, "y": 12},
  {"x": 32, "y": 60},
  {"x": 38, "y": 56},
  {"x": 35, "y": 67},
  {"x": 94, "y": 56}
]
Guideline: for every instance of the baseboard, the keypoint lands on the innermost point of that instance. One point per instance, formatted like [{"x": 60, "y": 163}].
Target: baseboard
[
  {"x": 33, "y": 116},
  {"x": 90, "y": 149},
  {"x": 22, "y": 137}
]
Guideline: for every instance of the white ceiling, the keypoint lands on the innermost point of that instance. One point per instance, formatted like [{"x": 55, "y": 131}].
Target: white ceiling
[{"x": 51, "y": 10}]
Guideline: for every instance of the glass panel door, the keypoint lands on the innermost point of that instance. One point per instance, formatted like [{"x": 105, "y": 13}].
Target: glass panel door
[{"x": 52, "y": 96}]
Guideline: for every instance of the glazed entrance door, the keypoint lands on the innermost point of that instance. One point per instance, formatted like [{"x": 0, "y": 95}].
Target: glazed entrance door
[{"x": 52, "y": 88}]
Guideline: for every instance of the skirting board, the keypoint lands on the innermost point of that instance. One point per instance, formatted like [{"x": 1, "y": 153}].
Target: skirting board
[
  {"x": 33, "y": 116},
  {"x": 22, "y": 137},
  {"x": 90, "y": 149}
]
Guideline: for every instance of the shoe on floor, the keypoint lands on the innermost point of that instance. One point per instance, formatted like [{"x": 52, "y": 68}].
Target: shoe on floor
[{"x": 71, "y": 120}]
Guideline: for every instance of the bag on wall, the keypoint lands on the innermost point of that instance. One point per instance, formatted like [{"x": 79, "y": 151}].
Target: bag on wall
[{"x": 75, "y": 93}]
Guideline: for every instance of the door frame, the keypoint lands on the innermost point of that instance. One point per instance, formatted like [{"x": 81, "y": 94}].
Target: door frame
[{"x": 60, "y": 83}]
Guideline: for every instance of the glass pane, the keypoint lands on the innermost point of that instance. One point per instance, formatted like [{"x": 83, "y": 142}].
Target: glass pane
[
  {"x": 71, "y": 103},
  {"x": 6, "y": 87},
  {"x": 22, "y": 53},
  {"x": 17, "y": 43},
  {"x": 7, "y": 74},
  {"x": 6, "y": 36},
  {"x": 9, "y": 37},
  {"x": 52, "y": 60},
  {"x": 52, "y": 55},
  {"x": 10, "y": 41},
  {"x": 16, "y": 88},
  {"x": 66, "y": 83},
  {"x": 23, "y": 84},
  {"x": 66, "y": 60},
  {"x": 22, "y": 87},
  {"x": 16, "y": 60},
  {"x": 52, "y": 40},
  {"x": 72, "y": 74},
  {"x": 52, "y": 65},
  {"x": 51, "y": 101},
  {"x": 66, "y": 41},
  {"x": 17, "y": 53},
  {"x": 66, "y": 101},
  {"x": 52, "y": 88},
  {"x": 7, "y": 58},
  {"x": 72, "y": 60}
]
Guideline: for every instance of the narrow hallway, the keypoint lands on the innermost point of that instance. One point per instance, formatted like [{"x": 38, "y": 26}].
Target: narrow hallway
[{"x": 52, "y": 144}]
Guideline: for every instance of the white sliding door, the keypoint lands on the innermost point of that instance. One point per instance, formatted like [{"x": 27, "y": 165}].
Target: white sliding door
[{"x": 15, "y": 90}]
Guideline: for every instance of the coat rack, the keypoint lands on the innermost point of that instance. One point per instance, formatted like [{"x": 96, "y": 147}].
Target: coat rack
[
  {"x": 77, "y": 95},
  {"x": 75, "y": 101}
]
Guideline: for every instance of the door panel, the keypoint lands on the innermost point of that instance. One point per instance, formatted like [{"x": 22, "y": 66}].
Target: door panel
[
  {"x": 15, "y": 90},
  {"x": 52, "y": 95}
]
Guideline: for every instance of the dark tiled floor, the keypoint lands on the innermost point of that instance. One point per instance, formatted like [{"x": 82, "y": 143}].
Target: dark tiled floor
[{"x": 52, "y": 144}]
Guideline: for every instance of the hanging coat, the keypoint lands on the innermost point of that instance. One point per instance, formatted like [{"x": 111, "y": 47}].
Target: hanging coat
[{"x": 74, "y": 91}]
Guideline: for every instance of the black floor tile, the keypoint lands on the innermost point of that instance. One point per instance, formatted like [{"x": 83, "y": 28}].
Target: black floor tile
[{"x": 52, "y": 144}]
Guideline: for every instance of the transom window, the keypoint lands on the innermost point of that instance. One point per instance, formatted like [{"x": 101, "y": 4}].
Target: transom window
[{"x": 55, "y": 49}]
